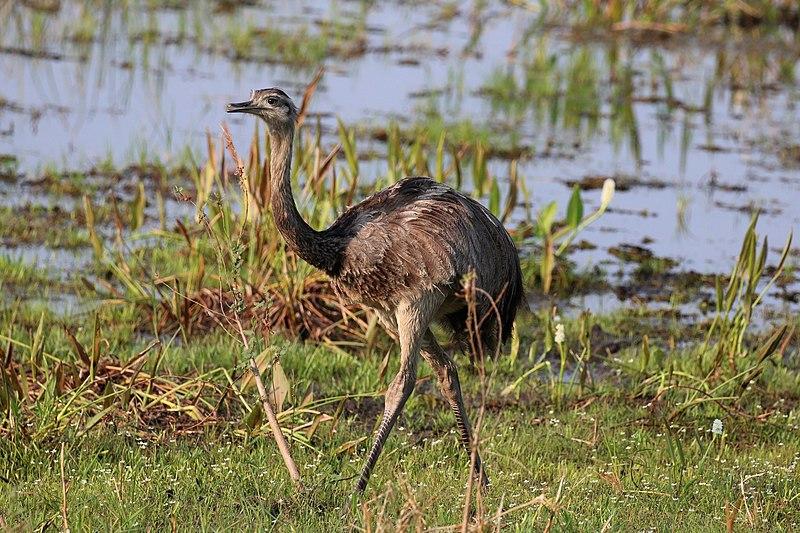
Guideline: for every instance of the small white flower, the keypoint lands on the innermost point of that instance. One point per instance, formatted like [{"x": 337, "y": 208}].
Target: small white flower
[
  {"x": 559, "y": 336},
  {"x": 716, "y": 427}
]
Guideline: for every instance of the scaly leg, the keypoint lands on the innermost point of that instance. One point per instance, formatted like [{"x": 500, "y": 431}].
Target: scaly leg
[
  {"x": 412, "y": 320},
  {"x": 447, "y": 375}
]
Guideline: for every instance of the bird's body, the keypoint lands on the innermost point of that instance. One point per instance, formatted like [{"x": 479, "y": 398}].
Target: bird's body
[
  {"x": 418, "y": 237},
  {"x": 404, "y": 252}
]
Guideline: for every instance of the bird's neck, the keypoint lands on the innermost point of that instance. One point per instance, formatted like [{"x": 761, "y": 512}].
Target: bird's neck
[{"x": 309, "y": 244}]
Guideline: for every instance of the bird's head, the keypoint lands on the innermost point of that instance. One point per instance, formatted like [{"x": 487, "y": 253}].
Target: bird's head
[{"x": 273, "y": 105}]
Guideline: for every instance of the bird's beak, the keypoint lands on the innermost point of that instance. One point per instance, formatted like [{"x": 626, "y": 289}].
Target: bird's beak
[{"x": 240, "y": 107}]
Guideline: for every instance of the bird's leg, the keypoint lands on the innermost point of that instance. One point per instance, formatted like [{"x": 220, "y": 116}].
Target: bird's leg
[
  {"x": 411, "y": 321},
  {"x": 447, "y": 375},
  {"x": 388, "y": 321}
]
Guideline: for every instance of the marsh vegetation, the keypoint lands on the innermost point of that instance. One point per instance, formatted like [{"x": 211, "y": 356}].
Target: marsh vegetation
[{"x": 655, "y": 380}]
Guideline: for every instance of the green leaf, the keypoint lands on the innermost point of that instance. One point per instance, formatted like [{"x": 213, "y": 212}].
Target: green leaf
[
  {"x": 80, "y": 351},
  {"x": 349, "y": 446},
  {"x": 94, "y": 420},
  {"x": 514, "y": 351},
  {"x": 347, "y": 140},
  {"x": 37, "y": 344},
  {"x": 548, "y": 262},
  {"x": 645, "y": 353},
  {"x": 97, "y": 244},
  {"x": 137, "y": 207},
  {"x": 457, "y": 165},
  {"x": 479, "y": 172},
  {"x": 546, "y": 217},
  {"x": 772, "y": 344},
  {"x": 575, "y": 208},
  {"x": 494, "y": 199},
  {"x": 513, "y": 191},
  {"x": 255, "y": 417},
  {"x": 439, "y": 176}
]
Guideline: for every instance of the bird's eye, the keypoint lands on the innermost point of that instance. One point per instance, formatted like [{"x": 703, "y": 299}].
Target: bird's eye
[{"x": 272, "y": 100}]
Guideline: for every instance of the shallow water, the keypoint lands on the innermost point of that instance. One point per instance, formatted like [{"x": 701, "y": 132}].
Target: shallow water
[{"x": 715, "y": 146}]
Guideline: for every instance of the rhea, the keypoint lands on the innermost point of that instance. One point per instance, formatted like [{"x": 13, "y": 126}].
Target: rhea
[{"x": 403, "y": 252}]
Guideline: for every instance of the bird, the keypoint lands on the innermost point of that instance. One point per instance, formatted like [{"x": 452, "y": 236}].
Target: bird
[{"x": 403, "y": 252}]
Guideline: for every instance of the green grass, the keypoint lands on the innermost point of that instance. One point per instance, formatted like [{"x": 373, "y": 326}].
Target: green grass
[
  {"x": 609, "y": 459},
  {"x": 629, "y": 448},
  {"x": 52, "y": 227},
  {"x": 18, "y": 272}
]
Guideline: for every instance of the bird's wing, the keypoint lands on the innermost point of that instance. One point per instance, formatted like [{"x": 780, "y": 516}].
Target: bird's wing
[{"x": 406, "y": 243}]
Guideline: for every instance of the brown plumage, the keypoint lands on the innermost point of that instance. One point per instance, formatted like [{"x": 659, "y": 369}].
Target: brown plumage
[{"x": 404, "y": 252}]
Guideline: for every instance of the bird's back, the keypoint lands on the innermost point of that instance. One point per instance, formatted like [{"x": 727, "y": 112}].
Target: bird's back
[{"x": 419, "y": 235}]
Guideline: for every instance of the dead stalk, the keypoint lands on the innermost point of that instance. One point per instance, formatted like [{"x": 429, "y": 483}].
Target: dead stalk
[
  {"x": 64, "y": 521},
  {"x": 280, "y": 439},
  {"x": 474, "y": 322}
]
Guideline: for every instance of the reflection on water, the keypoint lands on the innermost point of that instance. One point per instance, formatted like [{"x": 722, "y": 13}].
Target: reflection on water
[{"x": 713, "y": 123}]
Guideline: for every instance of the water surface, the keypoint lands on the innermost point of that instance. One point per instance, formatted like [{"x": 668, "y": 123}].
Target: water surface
[{"x": 703, "y": 128}]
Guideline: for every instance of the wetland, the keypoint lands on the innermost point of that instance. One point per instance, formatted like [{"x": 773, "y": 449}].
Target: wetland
[{"x": 645, "y": 157}]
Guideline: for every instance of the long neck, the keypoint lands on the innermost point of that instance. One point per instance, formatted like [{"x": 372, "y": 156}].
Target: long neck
[{"x": 301, "y": 238}]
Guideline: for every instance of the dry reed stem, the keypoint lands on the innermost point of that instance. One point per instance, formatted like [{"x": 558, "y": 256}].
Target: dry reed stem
[
  {"x": 309, "y": 92},
  {"x": 64, "y": 521},
  {"x": 474, "y": 323},
  {"x": 280, "y": 439}
]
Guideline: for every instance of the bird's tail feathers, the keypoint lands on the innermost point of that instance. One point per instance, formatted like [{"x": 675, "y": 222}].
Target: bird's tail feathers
[{"x": 486, "y": 322}]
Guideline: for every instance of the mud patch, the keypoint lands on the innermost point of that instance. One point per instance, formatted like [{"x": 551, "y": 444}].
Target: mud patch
[{"x": 624, "y": 182}]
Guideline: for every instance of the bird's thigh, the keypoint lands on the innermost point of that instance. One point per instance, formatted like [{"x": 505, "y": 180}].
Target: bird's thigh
[{"x": 387, "y": 320}]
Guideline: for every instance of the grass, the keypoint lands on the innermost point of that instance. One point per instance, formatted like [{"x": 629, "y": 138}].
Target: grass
[
  {"x": 16, "y": 271},
  {"x": 665, "y": 18},
  {"x": 607, "y": 459},
  {"x": 140, "y": 23},
  {"x": 52, "y": 227}
]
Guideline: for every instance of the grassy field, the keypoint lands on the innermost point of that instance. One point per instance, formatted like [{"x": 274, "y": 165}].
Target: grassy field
[
  {"x": 611, "y": 457},
  {"x": 138, "y": 411}
]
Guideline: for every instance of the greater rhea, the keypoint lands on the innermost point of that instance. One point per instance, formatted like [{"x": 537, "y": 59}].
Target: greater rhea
[{"x": 403, "y": 252}]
